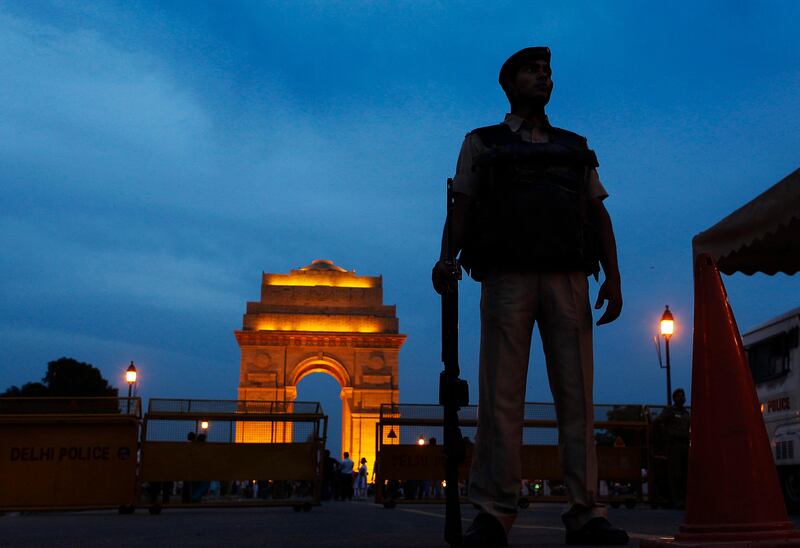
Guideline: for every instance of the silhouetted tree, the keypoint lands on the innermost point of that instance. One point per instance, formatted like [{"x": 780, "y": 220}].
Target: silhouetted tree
[
  {"x": 28, "y": 390},
  {"x": 66, "y": 377}
]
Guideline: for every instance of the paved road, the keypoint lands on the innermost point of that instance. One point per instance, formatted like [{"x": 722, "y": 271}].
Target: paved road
[{"x": 336, "y": 524}]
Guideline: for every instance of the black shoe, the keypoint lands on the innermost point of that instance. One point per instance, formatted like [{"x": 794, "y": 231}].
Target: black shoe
[
  {"x": 485, "y": 532},
  {"x": 598, "y": 532}
]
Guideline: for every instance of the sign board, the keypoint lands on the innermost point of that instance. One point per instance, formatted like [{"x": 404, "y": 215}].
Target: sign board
[
  {"x": 413, "y": 462},
  {"x": 67, "y": 462}
]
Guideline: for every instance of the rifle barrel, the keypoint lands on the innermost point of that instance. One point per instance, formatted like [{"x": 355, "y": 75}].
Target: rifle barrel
[{"x": 451, "y": 390}]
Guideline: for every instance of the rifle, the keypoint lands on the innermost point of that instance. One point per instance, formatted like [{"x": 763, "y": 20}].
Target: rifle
[{"x": 453, "y": 391}]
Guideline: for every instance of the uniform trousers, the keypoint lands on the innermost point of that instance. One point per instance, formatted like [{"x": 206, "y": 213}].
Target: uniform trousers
[{"x": 511, "y": 303}]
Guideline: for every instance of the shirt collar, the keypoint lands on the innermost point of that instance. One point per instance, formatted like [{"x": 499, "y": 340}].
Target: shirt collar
[{"x": 515, "y": 123}]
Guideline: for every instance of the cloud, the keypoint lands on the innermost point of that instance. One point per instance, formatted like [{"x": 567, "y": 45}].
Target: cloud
[
  {"x": 82, "y": 114},
  {"x": 78, "y": 99}
]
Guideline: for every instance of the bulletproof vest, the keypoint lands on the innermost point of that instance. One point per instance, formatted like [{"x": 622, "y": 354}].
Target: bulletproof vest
[{"x": 530, "y": 209}]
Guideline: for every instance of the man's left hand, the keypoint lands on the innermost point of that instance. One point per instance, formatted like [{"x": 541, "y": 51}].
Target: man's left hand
[{"x": 610, "y": 291}]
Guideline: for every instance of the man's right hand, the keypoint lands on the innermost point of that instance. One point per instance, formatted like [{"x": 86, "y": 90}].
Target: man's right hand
[{"x": 444, "y": 277}]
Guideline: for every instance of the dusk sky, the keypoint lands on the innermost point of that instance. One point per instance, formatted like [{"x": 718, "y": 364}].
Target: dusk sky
[{"x": 155, "y": 158}]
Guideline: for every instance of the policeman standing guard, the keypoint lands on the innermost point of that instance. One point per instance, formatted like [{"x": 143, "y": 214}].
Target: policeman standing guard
[
  {"x": 672, "y": 426},
  {"x": 530, "y": 224}
]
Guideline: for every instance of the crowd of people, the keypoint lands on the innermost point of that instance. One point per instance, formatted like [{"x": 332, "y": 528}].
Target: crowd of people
[
  {"x": 343, "y": 480},
  {"x": 346, "y": 481}
]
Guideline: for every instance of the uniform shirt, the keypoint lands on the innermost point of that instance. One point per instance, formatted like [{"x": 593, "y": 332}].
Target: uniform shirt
[
  {"x": 676, "y": 421},
  {"x": 465, "y": 180},
  {"x": 347, "y": 466}
]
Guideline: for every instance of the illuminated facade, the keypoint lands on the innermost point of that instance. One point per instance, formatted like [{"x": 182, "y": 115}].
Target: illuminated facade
[{"x": 321, "y": 319}]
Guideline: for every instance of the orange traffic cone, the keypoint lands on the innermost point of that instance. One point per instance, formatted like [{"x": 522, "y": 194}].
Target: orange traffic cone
[{"x": 733, "y": 492}]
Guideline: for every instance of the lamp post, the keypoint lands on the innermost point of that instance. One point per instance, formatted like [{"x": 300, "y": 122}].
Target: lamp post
[
  {"x": 130, "y": 378},
  {"x": 667, "y": 329}
]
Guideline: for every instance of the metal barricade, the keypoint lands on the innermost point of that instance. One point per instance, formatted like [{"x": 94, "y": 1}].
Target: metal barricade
[
  {"x": 410, "y": 454},
  {"x": 223, "y": 453},
  {"x": 68, "y": 453}
]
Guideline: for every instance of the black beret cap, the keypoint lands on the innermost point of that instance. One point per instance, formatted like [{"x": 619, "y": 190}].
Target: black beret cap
[{"x": 538, "y": 53}]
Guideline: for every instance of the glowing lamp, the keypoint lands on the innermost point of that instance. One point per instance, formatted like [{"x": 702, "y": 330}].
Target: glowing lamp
[
  {"x": 204, "y": 425},
  {"x": 667, "y": 323},
  {"x": 130, "y": 374},
  {"x": 130, "y": 378},
  {"x": 421, "y": 440},
  {"x": 667, "y": 329}
]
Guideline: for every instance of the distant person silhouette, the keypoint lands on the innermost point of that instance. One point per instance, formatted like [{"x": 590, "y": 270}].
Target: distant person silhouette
[
  {"x": 673, "y": 424},
  {"x": 200, "y": 488},
  {"x": 187, "y": 488},
  {"x": 329, "y": 468},
  {"x": 360, "y": 484},
  {"x": 346, "y": 477}
]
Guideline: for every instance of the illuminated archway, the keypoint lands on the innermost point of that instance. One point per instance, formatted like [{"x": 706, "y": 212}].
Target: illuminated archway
[
  {"x": 322, "y": 319},
  {"x": 332, "y": 369},
  {"x": 320, "y": 364}
]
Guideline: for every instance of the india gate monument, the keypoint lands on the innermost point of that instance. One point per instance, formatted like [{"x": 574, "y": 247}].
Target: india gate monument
[{"x": 322, "y": 319}]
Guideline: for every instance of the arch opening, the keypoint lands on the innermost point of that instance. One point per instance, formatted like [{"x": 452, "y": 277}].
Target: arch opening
[
  {"x": 320, "y": 364},
  {"x": 339, "y": 414},
  {"x": 319, "y": 385}
]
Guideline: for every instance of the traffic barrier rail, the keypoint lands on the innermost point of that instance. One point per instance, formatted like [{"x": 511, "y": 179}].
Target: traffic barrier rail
[{"x": 68, "y": 453}]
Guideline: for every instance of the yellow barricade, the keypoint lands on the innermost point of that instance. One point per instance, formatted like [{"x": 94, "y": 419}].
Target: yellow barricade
[
  {"x": 411, "y": 455},
  {"x": 166, "y": 461},
  {"x": 222, "y": 453},
  {"x": 62, "y": 453}
]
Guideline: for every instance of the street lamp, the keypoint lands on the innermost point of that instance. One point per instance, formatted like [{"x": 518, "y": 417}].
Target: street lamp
[
  {"x": 130, "y": 377},
  {"x": 667, "y": 329}
]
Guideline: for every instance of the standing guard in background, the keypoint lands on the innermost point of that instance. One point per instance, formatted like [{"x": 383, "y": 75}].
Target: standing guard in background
[
  {"x": 672, "y": 429},
  {"x": 530, "y": 224}
]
